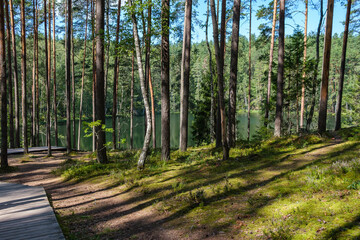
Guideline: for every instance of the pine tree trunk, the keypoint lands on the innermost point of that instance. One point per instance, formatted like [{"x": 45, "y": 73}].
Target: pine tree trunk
[
  {"x": 233, "y": 72},
  {"x": 16, "y": 81},
  {"x": 325, "y": 68},
  {"x": 83, "y": 76},
  {"x": 143, "y": 154},
  {"x": 23, "y": 77},
  {"x": 107, "y": 50},
  {"x": 94, "y": 74},
  {"x": 280, "y": 74},
  {"x": 249, "y": 90},
  {"x": 116, "y": 75},
  {"x": 165, "y": 80},
  {"x": 73, "y": 86},
  {"x": 212, "y": 101},
  {"x": 314, "y": 83},
  {"x": 302, "y": 109},
  {"x": 47, "y": 79},
  {"x": 54, "y": 81},
  {"x": 219, "y": 54},
  {"x": 33, "y": 88},
  {"x": 132, "y": 102},
  {"x": 3, "y": 91},
  {"x": 37, "y": 89},
  {"x": 100, "y": 101},
  {"x": 271, "y": 56},
  {"x": 185, "y": 76},
  {"x": 342, "y": 69},
  {"x": 67, "y": 75},
  {"x": 153, "y": 123},
  {"x": 9, "y": 80}
]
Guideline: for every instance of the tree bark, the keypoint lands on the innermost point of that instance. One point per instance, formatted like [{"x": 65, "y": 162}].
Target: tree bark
[
  {"x": 37, "y": 132},
  {"x": 23, "y": 77},
  {"x": 54, "y": 79},
  {"x": 132, "y": 102},
  {"x": 16, "y": 86},
  {"x": 249, "y": 89},
  {"x": 233, "y": 72},
  {"x": 148, "y": 51},
  {"x": 325, "y": 69},
  {"x": 100, "y": 101},
  {"x": 143, "y": 154},
  {"x": 94, "y": 73},
  {"x": 3, "y": 91},
  {"x": 73, "y": 85},
  {"x": 342, "y": 69},
  {"x": 280, "y": 75},
  {"x": 185, "y": 76},
  {"x": 219, "y": 54},
  {"x": 165, "y": 80},
  {"x": 302, "y": 109},
  {"x": 116, "y": 76},
  {"x": 67, "y": 75},
  {"x": 107, "y": 50},
  {"x": 47, "y": 79},
  {"x": 212, "y": 101},
  {"x": 83, "y": 76},
  {"x": 33, "y": 88},
  {"x": 314, "y": 82},
  {"x": 9, "y": 80},
  {"x": 271, "y": 56}
]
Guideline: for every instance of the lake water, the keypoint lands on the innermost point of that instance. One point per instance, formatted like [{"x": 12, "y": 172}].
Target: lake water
[{"x": 138, "y": 131}]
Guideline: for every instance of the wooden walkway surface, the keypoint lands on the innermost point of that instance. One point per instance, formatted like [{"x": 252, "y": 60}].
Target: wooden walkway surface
[
  {"x": 25, "y": 213},
  {"x": 34, "y": 149}
]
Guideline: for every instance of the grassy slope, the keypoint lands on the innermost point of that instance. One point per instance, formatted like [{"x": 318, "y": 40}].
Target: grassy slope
[{"x": 292, "y": 187}]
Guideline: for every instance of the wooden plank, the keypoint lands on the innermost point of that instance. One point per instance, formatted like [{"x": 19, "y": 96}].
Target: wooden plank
[
  {"x": 25, "y": 213},
  {"x": 34, "y": 149}
]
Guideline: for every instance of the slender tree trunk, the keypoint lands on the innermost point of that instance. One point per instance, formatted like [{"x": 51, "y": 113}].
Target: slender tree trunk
[
  {"x": 314, "y": 84},
  {"x": 107, "y": 50},
  {"x": 185, "y": 76},
  {"x": 67, "y": 74},
  {"x": 249, "y": 90},
  {"x": 83, "y": 76},
  {"x": 342, "y": 69},
  {"x": 148, "y": 51},
  {"x": 94, "y": 74},
  {"x": 132, "y": 102},
  {"x": 47, "y": 79},
  {"x": 23, "y": 77},
  {"x": 271, "y": 56},
  {"x": 3, "y": 91},
  {"x": 73, "y": 86},
  {"x": 16, "y": 86},
  {"x": 233, "y": 72},
  {"x": 54, "y": 77},
  {"x": 212, "y": 101},
  {"x": 143, "y": 154},
  {"x": 9, "y": 80},
  {"x": 33, "y": 89},
  {"x": 116, "y": 76},
  {"x": 100, "y": 100},
  {"x": 302, "y": 109},
  {"x": 165, "y": 80},
  {"x": 280, "y": 75},
  {"x": 219, "y": 53},
  {"x": 37, "y": 133},
  {"x": 325, "y": 69}
]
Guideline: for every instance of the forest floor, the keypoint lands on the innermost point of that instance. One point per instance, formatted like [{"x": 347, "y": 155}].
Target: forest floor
[{"x": 294, "y": 187}]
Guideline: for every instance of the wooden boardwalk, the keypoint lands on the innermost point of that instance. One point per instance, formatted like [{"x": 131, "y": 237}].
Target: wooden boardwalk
[
  {"x": 25, "y": 213},
  {"x": 34, "y": 149}
]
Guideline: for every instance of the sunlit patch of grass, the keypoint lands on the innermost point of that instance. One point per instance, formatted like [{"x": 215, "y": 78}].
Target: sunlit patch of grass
[{"x": 279, "y": 188}]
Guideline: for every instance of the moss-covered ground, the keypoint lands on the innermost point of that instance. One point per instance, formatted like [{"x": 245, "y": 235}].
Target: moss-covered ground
[{"x": 305, "y": 187}]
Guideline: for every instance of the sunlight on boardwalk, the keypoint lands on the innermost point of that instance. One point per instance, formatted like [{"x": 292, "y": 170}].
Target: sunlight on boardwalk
[{"x": 25, "y": 213}]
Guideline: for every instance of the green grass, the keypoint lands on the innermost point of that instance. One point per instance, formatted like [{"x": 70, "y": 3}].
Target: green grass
[{"x": 282, "y": 188}]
